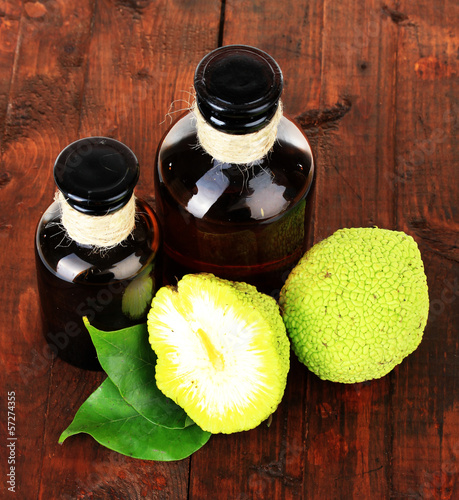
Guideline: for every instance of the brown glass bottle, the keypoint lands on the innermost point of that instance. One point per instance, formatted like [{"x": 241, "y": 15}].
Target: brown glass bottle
[
  {"x": 112, "y": 287},
  {"x": 244, "y": 222}
]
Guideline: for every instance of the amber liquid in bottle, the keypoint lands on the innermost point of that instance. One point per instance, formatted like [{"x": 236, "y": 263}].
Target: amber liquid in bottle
[
  {"x": 112, "y": 288},
  {"x": 240, "y": 222}
]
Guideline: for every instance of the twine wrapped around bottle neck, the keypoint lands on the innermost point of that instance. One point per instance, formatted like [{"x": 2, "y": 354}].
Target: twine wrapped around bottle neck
[
  {"x": 241, "y": 149},
  {"x": 100, "y": 231}
]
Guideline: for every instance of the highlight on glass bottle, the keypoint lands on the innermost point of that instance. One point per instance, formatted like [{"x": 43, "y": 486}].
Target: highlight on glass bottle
[
  {"x": 97, "y": 249},
  {"x": 234, "y": 176}
]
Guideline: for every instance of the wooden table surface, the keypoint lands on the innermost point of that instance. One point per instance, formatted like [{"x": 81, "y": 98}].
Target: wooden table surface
[{"x": 374, "y": 85}]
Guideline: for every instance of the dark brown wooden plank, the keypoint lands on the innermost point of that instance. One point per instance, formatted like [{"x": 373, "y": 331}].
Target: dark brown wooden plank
[
  {"x": 267, "y": 462},
  {"x": 347, "y": 447},
  {"x": 41, "y": 112},
  {"x": 10, "y": 15},
  {"x": 374, "y": 85},
  {"x": 338, "y": 61},
  {"x": 143, "y": 57},
  {"x": 425, "y": 407},
  {"x": 140, "y": 57}
]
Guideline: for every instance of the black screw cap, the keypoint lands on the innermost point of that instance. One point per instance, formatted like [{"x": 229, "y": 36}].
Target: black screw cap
[
  {"x": 97, "y": 175},
  {"x": 238, "y": 88}
]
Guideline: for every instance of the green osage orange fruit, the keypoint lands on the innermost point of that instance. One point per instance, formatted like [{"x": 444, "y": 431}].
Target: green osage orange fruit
[{"x": 356, "y": 304}]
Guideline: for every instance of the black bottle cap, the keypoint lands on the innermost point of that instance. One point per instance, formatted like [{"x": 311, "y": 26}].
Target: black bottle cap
[
  {"x": 97, "y": 175},
  {"x": 238, "y": 88}
]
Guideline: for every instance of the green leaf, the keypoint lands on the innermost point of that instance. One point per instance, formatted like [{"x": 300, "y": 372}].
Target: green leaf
[
  {"x": 128, "y": 359},
  {"x": 112, "y": 422}
]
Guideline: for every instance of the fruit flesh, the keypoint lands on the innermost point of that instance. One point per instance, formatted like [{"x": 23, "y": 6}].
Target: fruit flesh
[{"x": 223, "y": 353}]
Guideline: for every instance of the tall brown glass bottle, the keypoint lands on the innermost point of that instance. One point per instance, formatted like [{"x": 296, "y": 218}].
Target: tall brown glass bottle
[{"x": 234, "y": 176}]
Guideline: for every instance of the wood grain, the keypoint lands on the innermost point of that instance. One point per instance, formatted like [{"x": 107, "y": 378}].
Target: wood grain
[
  {"x": 41, "y": 113},
  {"x": 374, "y": 86},
  {"x": 347, "y": 441},
  {"x": 268, "y": 462},
  {"x": 133, "y": 49},
  {"x": 10, "y": 16},
  {"x": 80, "y": 68},
  {"x": 329, "y": 431},
  {"x": 425, "y": 424}
]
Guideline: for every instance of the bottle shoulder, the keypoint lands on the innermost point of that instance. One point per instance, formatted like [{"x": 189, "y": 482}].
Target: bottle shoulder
[
  {"x": 210, "y": 189},
  {"x": 78, "y": 263}
]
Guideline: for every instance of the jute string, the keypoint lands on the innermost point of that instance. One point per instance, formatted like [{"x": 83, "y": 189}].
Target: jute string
[
  {"x": 241, "y": 149},
  {"x": 100, "y": 231}
]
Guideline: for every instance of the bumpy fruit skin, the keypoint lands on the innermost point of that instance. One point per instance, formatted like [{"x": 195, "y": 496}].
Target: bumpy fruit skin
[
  {"x": 223, "y": 351},
  {"x": 356, "y": 304},
  {"x": 138, "y": 294}
]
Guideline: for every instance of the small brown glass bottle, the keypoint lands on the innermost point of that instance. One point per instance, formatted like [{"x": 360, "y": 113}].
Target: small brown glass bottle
[
  {"x": 96, "y": 247},
  {"x": 234, "y": 176}
]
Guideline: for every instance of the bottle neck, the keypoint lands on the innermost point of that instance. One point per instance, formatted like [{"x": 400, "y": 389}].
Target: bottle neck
[
  {"x": 239, "y": 149},
  {"x": 101, "y": 232}
]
